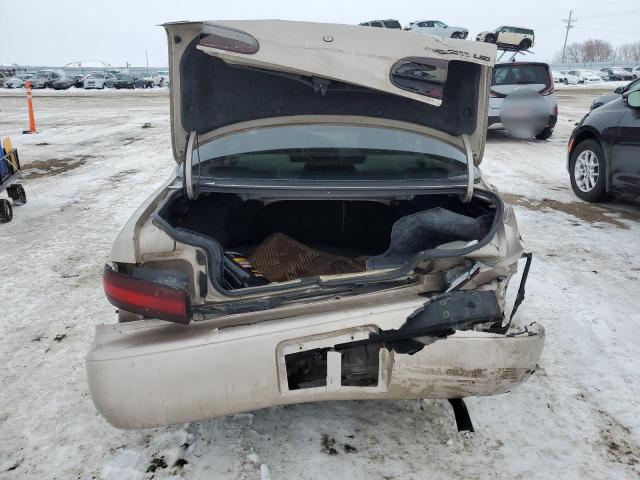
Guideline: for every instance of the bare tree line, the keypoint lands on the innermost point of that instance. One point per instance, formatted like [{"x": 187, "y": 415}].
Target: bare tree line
[{"x": 597, "y": 50}]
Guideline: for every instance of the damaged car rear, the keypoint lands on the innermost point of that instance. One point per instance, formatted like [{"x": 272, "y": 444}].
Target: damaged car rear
[{"x": 326, "y": 234}]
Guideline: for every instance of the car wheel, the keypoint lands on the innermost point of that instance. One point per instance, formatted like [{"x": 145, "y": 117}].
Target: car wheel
[
  {"x": 566, "y": 82},
  {"x": 525, "y": 44},
  {"x": 490, "y": 38},
  {"x": 455, "y": 35},
  {"x": 6, "y": 212},
  {"x": 587, "y": 172},
  {"x": 545, "y": 134},
  {"x": 17, "y": 194}
]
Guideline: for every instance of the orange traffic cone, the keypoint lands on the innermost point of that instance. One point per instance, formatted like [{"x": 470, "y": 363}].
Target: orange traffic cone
[{"x": 32, "y": 120}]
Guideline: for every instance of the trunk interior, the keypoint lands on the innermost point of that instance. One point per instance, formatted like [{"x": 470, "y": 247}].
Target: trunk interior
[{"x": 276, "y": 241}]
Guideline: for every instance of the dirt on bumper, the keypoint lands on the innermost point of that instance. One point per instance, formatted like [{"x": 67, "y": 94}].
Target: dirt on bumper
[{"x": 147, "y": 373}]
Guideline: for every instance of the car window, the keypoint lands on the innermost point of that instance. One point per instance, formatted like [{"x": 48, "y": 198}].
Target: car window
[
  {"x": 392, "y": 24},
  {"x": 440, "y": 24},
  {"x": 328, "y": 152},
  {"x": 424, "y": 76},
  {"x": 376, "y": 24},
  {"x": 633, "y": 86},
  {"x": 520, "y": 74}
]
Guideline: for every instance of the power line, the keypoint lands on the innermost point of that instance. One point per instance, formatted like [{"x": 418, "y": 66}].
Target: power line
[
  {"x": 608, "y": 31},
  {"x": 610, "y": 14},
  {"x": 566, "y": 35}
]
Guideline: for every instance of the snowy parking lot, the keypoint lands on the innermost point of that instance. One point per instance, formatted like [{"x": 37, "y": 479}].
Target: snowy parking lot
[{"x": 98, "y": 155}]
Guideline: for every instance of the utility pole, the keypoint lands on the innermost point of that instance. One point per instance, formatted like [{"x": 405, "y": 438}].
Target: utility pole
[
  {"x": 566, "y": 35},
  {"x": 146, "y": 55}
]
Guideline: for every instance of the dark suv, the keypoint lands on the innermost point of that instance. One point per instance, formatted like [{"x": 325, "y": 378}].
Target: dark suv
[{"x": 383, "y": 24}]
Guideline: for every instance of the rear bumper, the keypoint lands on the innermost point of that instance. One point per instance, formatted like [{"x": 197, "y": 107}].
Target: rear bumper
[
  {"x": 495, "y": 122},
  {"x": 150, "y": 373}
]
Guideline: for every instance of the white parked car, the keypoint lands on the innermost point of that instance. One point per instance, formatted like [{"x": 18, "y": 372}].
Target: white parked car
[
  {"x": 326, "y": 235},
  {"x": 155, "y": 79},
  {"x": 99, "y": 80},
  {"x": 437, "y": 28},
  {"x": 575, "y": 77},
  {"x": 509, "y": 36},
  {"x": 18, "y": 81},
  {"x": 164, "y": 78},
  {"x": 44, "y": 79},
  {"x": 635, "y": 72},
  {"x": 560, "y": 77}
]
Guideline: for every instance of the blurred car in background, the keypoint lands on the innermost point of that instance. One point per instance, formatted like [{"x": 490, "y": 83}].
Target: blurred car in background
[
  {"x": 125, "y": 80},
  {"x": 150, "y": 80},
  {"x": 64, "y": 83},
  {"x": 390, "y": 23},
  {"x": 636, "y": 72},
  {"x": 78, "y": 81},
  {"x": 616, "y": 74},
  {"x": 44, "y": 79},
  {"x": 509, "y": 36},
  {"x": 3, "y": 78},
  {"x": 437, "y": 28},
  {"x": 518, "y": 77},
  {"x": 617, "y": 93},
  {"x": 142, "y": 80},
  {"x": 98, "y": 80},
  {"x": 575, "y": 77},
  {"x": 164, "y": 78},
  {"x": 604, "y": 150},
  {"x": 17, "y": 81},
  {"x": 560, "y": 77}
]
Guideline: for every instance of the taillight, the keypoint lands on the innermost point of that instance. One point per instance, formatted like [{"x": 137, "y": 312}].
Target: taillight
[
  {"x": 495, "y": 94},
  {"x": 145, "y": 298},
  {"x": 549, "y": 90}
]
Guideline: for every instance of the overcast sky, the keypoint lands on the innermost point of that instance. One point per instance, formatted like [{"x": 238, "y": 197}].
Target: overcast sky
[{"x": 57, "y": 32}]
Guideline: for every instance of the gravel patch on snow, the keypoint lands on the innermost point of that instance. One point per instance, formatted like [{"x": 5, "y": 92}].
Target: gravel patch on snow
[{"x": 93, "y": 163}]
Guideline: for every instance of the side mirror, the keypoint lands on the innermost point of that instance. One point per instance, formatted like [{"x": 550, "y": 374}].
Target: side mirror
[
  {"x": 619, "y": 90},
  {"x": 633, "y": 99}
]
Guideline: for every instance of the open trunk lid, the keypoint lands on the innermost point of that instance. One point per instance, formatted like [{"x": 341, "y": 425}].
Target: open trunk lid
[{"x": 224, "y": 73}]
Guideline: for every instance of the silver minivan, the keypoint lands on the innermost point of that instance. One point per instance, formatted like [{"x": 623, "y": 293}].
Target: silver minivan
[{"x": 531, "y": 84}]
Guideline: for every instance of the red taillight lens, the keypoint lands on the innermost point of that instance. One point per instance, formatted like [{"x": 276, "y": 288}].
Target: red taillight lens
[
  {"x": 494, "y": 94},
  {"x": 145, "y": 298},
  {"x": 549, "y": 90}
]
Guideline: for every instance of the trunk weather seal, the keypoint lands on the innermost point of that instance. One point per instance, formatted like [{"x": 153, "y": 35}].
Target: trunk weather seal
[{"x": 214, "y": 255}]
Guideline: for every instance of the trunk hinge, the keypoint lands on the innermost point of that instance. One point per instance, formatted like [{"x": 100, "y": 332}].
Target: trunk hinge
[
  {"x": 188, "y": 167},
  {"x": 470, "y": 169}
]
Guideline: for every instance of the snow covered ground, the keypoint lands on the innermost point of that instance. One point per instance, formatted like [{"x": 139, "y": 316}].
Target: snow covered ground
[
  {"x": 606, "y": 86},
  {"x": 93, "y": 162}
]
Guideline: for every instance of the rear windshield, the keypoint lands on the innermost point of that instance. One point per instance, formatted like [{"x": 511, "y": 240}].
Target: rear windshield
[
  {"x": 328, "y": 152},
  {"x": 520, "y": 74}
]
